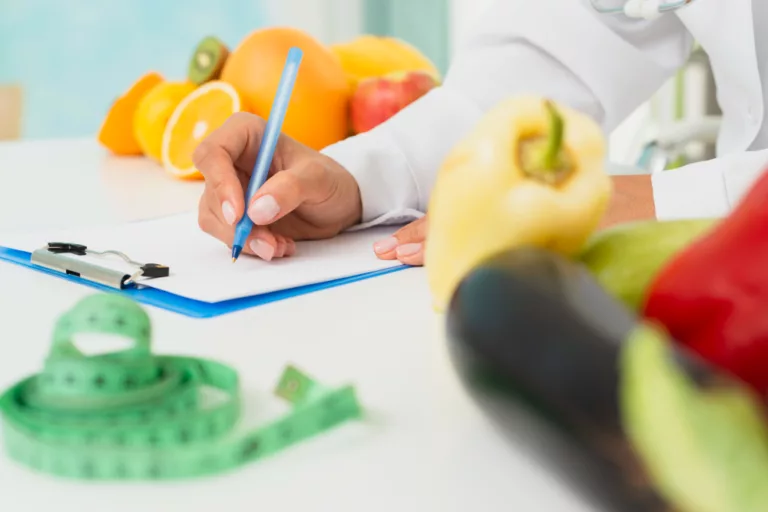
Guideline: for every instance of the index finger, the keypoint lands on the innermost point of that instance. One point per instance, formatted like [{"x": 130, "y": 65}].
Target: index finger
[{"x": 231, "y": 147}]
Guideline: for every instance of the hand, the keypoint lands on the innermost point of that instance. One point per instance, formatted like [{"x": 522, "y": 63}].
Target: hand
[
  {"x": 632, "y": 200},
  {"x": 307, "y": 196},
  {"x": 406, "y": 245}
]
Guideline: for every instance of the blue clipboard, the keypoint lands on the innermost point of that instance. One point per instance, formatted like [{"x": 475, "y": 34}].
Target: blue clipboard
[{"x": 186, "y": 306}]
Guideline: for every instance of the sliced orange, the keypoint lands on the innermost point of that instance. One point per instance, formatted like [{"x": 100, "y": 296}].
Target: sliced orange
[
  {"x": 198, "y": 114},
  {"x": 153, "y": 113},
  {"x": 116, "y": 132}
]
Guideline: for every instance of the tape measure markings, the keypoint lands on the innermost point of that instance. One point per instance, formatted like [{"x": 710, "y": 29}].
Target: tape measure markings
[{"x": 130, "y": 414}]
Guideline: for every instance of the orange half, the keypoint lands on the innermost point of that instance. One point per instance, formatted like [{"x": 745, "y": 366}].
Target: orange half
[
  {"x": 116, "y": 131},
  {"x": 198, "y": 114}
]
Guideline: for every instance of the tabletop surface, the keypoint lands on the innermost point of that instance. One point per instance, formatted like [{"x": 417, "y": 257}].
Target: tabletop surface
[{"x": 423, "y": 446}]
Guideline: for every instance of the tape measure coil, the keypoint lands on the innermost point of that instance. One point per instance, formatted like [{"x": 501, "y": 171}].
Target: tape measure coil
[{"x": 130, "y": 414}]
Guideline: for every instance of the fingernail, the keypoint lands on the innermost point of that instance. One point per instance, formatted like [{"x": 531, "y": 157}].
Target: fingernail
[
  {"x": 385, "y": 245},
  {"x": 229, "y": 212},
  {"x": 263, "y": 210},
  {"x": 408, "y": 249},
  {"x": 262, "y": 249}
]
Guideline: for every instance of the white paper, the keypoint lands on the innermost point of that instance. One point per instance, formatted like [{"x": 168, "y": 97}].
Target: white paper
[{"x": 201, "y": 266}]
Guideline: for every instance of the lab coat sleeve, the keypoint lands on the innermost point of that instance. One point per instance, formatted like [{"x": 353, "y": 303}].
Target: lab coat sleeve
[
  {"x": 707, "y": 189},
  {"x": 602, "y": 65}
]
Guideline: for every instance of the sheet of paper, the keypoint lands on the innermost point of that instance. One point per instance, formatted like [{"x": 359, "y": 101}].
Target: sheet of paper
[{"x": 201, "y": 266}]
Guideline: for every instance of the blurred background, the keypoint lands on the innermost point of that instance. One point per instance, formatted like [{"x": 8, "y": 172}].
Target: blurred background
[{"x": 63, "y": 62}]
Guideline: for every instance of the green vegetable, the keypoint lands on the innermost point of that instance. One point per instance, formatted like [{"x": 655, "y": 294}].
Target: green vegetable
[
  {"x": 624, "y": 259},
  {"x": 702, "y": 436},
  {"x": 661, "y": 429}
]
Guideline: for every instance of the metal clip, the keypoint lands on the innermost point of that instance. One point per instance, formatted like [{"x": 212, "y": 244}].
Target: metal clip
[
  {"x": 67, "y": 248},
  {"x": 54, "y": 257}
]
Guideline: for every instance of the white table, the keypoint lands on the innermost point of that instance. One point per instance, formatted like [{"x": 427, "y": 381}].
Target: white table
[{"x": 425, "y": 448}]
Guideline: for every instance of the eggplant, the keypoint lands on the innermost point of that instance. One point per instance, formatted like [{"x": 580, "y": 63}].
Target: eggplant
[{"x": 617, "y": 406}]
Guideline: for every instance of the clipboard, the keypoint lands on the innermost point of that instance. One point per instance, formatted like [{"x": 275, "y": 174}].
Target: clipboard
[{"x": 49, "y": 260}]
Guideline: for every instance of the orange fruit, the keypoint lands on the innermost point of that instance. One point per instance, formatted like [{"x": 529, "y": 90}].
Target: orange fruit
[
  {"x": 116, "y": 131},
  {"x": 153, "y": 113},
  {"x": 198, "y": 114},
  {"x": 318, "y": 111}
]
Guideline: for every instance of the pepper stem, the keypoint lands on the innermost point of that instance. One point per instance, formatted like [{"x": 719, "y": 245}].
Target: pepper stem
[
  {"x": 542, "y": 157},
  {"x": 555, "y": 139}
]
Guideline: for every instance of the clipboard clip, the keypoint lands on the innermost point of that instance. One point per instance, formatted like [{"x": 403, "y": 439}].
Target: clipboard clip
[
  {"x": 53, "y": 256},
  {"x": 67, "y": 248}
]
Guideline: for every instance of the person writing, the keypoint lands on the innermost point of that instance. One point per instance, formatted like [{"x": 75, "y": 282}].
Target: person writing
[{"x": 597, "y": 59}]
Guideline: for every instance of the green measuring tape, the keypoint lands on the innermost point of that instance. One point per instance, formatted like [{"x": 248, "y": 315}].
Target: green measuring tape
[{"x": 130, "y": 414}]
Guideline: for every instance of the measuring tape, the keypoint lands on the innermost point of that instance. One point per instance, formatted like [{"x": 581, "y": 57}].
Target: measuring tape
[{"x": 130, "y": 414}]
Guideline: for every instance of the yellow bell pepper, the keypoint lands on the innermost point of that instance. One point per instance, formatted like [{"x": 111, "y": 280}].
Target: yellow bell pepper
[{"x": 529, "y": 173}]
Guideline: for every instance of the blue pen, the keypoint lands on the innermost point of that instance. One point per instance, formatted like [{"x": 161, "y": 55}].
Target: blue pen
[{"x": 268, "y": 143}]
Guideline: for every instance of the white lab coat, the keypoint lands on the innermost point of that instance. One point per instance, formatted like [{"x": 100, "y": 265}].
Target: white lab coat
[{"x": 603, "y": 65}]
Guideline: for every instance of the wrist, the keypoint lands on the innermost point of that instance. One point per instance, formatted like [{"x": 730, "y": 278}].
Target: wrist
[
  {"x": 632, "y": 200},
  {"x": 386, "y": 185},
  {"x": 348, "y": 193}
]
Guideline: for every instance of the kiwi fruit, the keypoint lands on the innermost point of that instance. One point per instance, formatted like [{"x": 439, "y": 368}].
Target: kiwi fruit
[{"x": 207, "y": 60}]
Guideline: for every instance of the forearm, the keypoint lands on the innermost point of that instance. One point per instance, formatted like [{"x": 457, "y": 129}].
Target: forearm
[
  {"x": 396, "y": 162},
  {"x": 537, "y": 48}
]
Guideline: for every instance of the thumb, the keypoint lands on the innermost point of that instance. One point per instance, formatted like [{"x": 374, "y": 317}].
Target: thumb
[
  {"x": 286, "y": 190},
  {"x": 415, "y": 232},
  {"x": 412, "y": 237}
]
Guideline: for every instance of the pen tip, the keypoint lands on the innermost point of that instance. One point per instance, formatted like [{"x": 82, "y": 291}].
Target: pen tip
[{"x": 236, "y": 252}]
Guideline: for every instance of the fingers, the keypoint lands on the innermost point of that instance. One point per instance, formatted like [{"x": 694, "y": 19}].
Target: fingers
[
  {"x": 411, "y": 254},
  {"x": 261, "y": 242},
  {"x": 282, "y": 193},
  {"x": 267, "y": 245},
  {"x": 233, "y": 145},
  {"x": 406, "y": 245},
  {"x": 285, "y": 246}
]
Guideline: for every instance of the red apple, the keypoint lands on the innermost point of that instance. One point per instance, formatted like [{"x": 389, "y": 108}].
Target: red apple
[{"x": 377, "y": 99}]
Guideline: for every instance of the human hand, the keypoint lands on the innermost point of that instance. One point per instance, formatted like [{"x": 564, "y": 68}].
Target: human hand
[
  {"x": 406, "y": 245},
  {"x": 307, "y": 195},
  {"x": 632, "y": 200}
]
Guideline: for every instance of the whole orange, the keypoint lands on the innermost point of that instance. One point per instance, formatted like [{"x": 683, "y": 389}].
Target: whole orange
[{"x": 318, "y": 111}]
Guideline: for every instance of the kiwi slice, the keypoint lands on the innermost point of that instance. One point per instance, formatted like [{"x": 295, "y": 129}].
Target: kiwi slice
[{"x": 208, "y": 60}]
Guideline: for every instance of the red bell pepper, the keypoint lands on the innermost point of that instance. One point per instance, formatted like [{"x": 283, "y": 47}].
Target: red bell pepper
[{"x": 713, "y": 295}]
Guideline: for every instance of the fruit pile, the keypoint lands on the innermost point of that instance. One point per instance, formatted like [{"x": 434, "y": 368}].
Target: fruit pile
[
  {"x": 647, "y": 341},
  {"x": 341, "y": 90}
]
